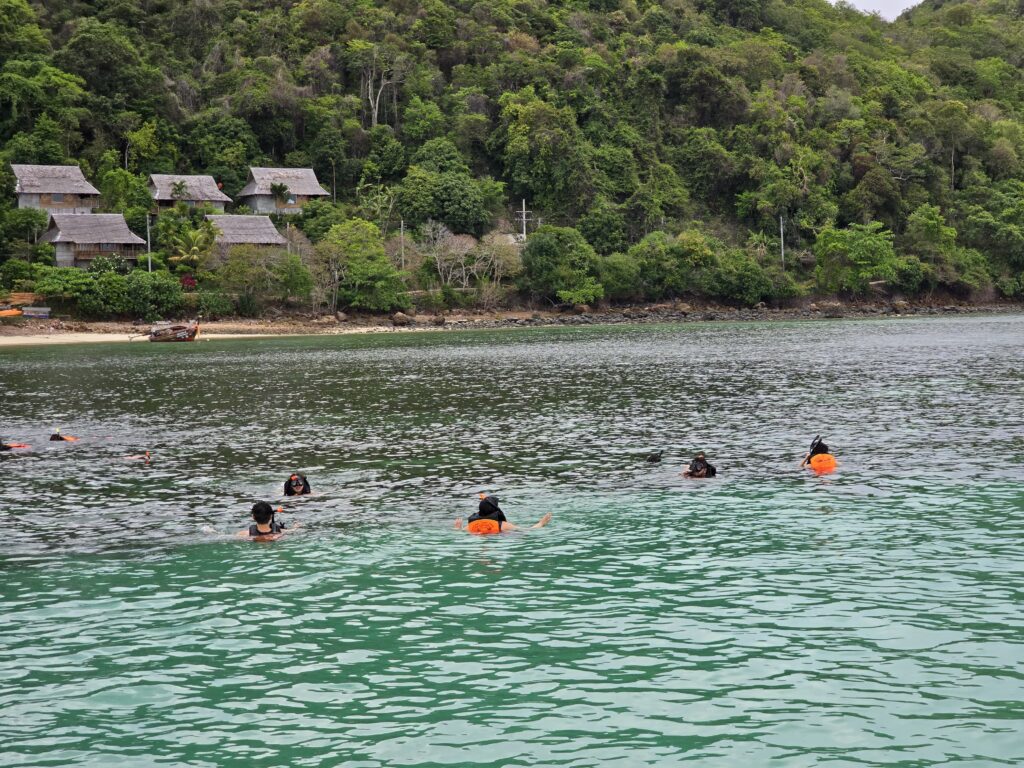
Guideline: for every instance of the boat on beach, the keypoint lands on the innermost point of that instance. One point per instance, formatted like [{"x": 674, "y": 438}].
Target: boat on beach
[{"x": 174, "y": 331}]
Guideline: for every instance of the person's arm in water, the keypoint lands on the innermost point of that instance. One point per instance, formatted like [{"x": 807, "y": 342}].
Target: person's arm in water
[{"x": 507, "y": 526}]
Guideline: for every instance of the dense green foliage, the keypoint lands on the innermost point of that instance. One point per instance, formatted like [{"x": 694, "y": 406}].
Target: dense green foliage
[{"x": 670, "y": 136}]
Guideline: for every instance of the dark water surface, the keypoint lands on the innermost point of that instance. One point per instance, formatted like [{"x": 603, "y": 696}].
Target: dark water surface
[{"x": 768, "y": 617}]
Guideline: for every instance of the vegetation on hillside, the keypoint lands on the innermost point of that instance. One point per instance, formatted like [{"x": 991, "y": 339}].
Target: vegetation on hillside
[{"x": 657, "y": 144}]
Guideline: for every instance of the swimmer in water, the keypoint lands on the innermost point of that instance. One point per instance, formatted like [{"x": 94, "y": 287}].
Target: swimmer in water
[
  {"x": 264, "y": 527},
  {"x": 818, "y": 447},
  {"x": 296, "y": 485},
  {"x": 57, "y": 437},
  {"x": 490, "y": 518},
  {"x": 699, "y": 467}
]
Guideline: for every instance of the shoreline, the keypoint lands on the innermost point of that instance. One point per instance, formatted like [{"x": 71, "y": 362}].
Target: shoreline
[{"x": 29, "y": 332}]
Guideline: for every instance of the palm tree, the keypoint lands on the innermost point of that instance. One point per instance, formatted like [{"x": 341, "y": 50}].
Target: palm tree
[
  {"x": 179, "y": 190},
  {"x": 280, "y": 193},
  {"x": 191, "y": 247}
]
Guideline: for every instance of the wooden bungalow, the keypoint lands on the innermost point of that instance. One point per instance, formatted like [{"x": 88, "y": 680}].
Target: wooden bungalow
[
  {"x": 80, "y": 237},
  {"x": 245, "y": 230},
  {"x": 170, "y": 189},
  {"x": 300, "y": 184},
  {"x": 54, "y": 188}
]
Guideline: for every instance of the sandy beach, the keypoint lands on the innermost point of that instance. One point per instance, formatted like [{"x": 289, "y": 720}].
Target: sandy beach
[{"x": 30, "y": 332}]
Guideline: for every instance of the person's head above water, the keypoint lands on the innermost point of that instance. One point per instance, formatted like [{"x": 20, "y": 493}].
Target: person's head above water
[
  {"x": 296, "y": 481},
  {"x": 489, "y": 505},
  {"x": 262, "y": 512}
]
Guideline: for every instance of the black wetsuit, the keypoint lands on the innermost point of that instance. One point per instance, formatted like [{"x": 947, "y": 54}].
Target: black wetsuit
[
  {"x": 57, "y": 438},
  {"x": 818, "y": 448},
  {"x": 275, "y": 527},
  {"x": 697, "y": 465},
  {"x": 289, "y": 490}
]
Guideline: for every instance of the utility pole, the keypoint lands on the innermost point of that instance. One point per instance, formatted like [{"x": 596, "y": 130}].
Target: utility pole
[
  {"x": 149, "y": 248},
  {"x": 401, "y": 242},
  {"x": 523, "y": 215},
  {"x": 782, "y": 243},
  {"x": 334, "y": 183}
]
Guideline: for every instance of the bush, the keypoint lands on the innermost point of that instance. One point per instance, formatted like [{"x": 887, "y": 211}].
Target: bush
[
  {"x": 214, "y": 305},
  {"x": 586, "y": 292},
  {"x": 737, "y": 277},
  {"x": 247, "y": 305},
  {"x": 1011, "y": 287},
  {"x": 13, "y": 270},
  {"x": 849, "y": 259},
  {"x": 912, "y": 275},
  {"x": 153, "y": 295},
  {"x": 964, "y": 270},
  {"x": 107, "y": 297},
  {"x": 620, "y": 276},
  {"x": 559, "y": 260}
]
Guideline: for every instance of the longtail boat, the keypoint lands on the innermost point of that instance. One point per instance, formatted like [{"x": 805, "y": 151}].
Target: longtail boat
[{"x": 174, "y": 332}]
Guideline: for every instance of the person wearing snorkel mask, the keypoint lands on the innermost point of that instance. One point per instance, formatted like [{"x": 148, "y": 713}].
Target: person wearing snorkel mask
[
  {"x": 700, "y": 467},
  {"x": 490, "y": 518},
  {"x": 296, "y": 485},
  {"x": 818, "y": 447}
]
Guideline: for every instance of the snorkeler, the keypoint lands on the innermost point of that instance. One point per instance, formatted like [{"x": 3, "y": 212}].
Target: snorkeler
[
  {"x": 489, "y": 518},
  {"x": 264, "y": 527},
  {"x": 699, "y": 467},
  {"x": 296, "y": 485},
  {"x": 57, "y": 437},
  {"x": 819, "y": 458},
  {"x": 12, "y": 446},
  {"x": 818, "y": 447}
]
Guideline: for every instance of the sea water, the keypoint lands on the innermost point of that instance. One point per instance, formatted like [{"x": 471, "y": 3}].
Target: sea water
[{"x": 871, "y": 617}]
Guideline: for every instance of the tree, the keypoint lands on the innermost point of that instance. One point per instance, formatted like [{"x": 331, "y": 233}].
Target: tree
[
  {"x": 380, "y": 67},
  {"x": 294, "y": 279},
  {"x": 849, "y": 259},
  {"x": 559, "y": 262},
  {"x": 365, "y": 277},
  {"x": 191, "y": 248},
  {"x": 453, "y": 256},
  {"x": 280, "y": 192}
]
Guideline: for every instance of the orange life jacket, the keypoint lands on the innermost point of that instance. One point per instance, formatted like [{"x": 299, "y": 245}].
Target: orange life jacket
[
  {"x": 484, "y": 526},
  {"x": 823, "y": 462}
]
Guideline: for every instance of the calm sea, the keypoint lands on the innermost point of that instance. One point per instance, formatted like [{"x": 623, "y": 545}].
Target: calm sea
[{"x": 768, "y": 617}]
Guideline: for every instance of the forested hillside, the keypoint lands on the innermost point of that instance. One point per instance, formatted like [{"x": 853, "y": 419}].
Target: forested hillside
[{"x": 659, "y": 143}]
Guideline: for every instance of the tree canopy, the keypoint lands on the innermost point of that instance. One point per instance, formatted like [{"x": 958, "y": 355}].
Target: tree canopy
[{"x": 615, "y": 118}]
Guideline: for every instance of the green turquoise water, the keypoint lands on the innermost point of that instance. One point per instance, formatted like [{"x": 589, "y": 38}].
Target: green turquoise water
[{"x": 872, "y": 617}]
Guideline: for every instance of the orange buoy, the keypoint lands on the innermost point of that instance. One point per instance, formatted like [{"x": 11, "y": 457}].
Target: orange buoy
[
  {"x": 482, "y": 527},
  {"x": 823, "y": 463}
]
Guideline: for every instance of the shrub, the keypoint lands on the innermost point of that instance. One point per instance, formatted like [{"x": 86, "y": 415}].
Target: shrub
[
  {"x": 106, "y": 297},
  {"x": 153, "y": 295},
  {"x": 214, "y": 305},
  {"x": 247, "y": 305},
  {"x": 559, "y": 260},
  {"x": 849, "y": 259},
  {"x": 737, "y": 277},
  {"x": 13, "y": 270},
  {"x": 620, "y": 276}
]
